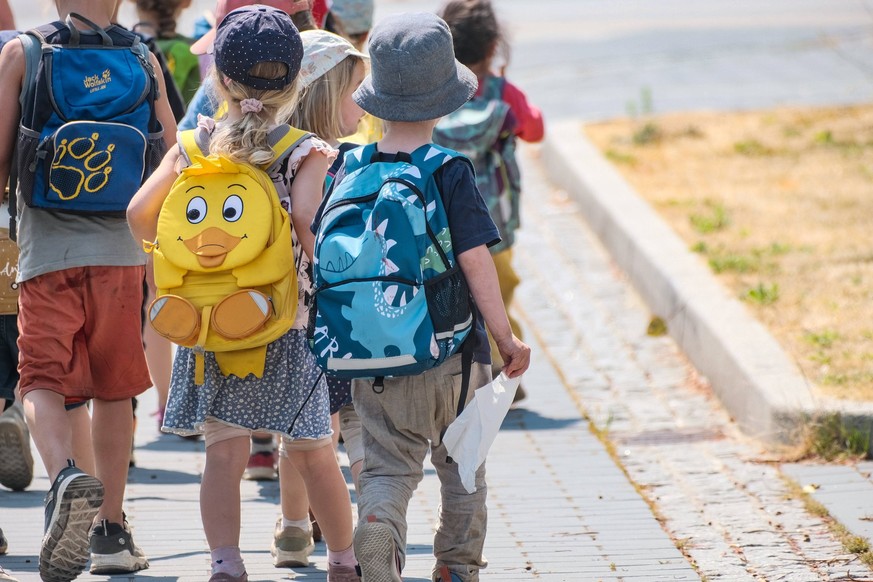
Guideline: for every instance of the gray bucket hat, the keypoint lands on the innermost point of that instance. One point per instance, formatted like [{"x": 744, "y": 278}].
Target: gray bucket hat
[{"x": 413, "y": 72}]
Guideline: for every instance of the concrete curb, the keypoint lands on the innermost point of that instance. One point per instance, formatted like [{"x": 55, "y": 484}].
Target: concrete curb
[{"x": 758, "y": 383}]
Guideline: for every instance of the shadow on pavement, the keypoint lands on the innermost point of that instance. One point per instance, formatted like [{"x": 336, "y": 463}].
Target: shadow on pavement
[
  {"x": 146, "y": 476},
  {"x": 21, "y": 499},
  {"x": 523, "y": 419}
]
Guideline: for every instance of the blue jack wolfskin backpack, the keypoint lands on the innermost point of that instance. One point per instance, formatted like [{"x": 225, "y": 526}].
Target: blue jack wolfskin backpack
[
  {"x": 89, "y": 135},
  {"x": 389, "y": 296}
]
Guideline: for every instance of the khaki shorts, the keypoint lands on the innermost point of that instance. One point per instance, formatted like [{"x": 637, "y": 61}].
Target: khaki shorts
[{"x": 80, "y": 334}]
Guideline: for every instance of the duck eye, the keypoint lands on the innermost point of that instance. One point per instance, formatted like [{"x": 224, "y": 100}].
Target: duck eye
[
  {"x": 233, "y": 208},
  {"x": 196, "y": 211}
]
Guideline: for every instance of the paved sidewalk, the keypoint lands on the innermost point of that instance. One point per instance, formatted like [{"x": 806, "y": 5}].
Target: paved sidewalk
[{"x": 560, "y": 508}]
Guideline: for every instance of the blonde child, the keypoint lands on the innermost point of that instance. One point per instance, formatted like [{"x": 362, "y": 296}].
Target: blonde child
[
  {"x": 257, "y": 54},
  {"x": 331, "y": 71}
]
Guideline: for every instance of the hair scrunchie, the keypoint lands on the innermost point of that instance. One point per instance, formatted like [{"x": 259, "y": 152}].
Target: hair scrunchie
[{"x": 251, "y": 105}]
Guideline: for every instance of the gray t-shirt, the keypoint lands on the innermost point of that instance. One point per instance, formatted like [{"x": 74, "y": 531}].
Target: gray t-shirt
[{"x": 52, "y": 241}]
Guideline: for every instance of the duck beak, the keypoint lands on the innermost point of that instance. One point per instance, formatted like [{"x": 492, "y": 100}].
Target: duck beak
[{"x": 211, "y": 246}]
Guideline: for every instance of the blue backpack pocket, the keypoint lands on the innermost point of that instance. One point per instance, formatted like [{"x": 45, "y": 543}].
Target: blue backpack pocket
[{"x": 89, "y": 166}]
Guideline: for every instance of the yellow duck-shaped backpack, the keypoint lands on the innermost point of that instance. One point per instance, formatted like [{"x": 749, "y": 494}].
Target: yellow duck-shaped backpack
[{"x": 223, "y": 260}]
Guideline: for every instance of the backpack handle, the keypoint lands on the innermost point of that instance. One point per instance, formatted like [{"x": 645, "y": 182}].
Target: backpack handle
[{"x": 74, "y": 32}]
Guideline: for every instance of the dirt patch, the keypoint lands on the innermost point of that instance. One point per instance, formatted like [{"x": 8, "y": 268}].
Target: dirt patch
[{"x": 779, "y": 203}]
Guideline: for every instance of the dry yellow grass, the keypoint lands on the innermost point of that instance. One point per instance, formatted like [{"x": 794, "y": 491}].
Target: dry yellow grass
[{"x": 780, "y": 204}]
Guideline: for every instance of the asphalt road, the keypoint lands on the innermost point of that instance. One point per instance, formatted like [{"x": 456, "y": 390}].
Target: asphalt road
[{"x": 590, "y": 59}]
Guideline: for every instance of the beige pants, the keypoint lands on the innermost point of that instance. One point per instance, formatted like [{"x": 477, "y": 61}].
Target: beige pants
[{"x": 400, "y": 423}]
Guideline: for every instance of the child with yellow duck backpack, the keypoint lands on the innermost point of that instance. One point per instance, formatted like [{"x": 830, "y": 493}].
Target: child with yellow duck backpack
[{"x": 209, "y": 215}]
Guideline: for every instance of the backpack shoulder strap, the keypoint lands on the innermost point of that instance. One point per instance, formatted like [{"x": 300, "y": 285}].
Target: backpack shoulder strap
[
  {"x": 190, "y": 144},
  {"x": 32, "y": 42},
  {"x": 292, "y": 138}
]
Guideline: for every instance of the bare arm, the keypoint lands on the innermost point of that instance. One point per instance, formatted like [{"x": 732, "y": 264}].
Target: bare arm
[
  {"x": 162, "y": 106},
  {"x": 306, "y": 197},
  {"x": 142, "y": 212},
  {"x": 7, "y": 21},
  {"x": 478, "y": 268},
  {"x": 12, "y": 73}
]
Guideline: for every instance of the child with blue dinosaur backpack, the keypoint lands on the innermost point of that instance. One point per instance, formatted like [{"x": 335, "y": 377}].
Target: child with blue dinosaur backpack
[
  {"x": 258, "y": 55},
  {"x": 415, "y": 80},
  {"x": 79, "y": 161}
]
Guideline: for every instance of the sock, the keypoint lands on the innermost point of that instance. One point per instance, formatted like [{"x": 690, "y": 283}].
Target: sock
[
  {"x": 298, "y": 523},
  {"x": 228, "y": 560},
  {"x": 343, "y": 558},
  {"x": 262, "y": 445}
]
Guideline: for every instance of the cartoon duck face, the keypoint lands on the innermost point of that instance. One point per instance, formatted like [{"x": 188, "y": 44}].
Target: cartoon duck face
[{"x": 221, "y": 217}]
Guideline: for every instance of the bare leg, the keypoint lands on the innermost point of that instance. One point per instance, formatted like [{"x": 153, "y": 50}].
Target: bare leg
[
  {"x": 112, "y": 436},
  {"x": 219, "y": 491},
  {"x": 159, "y": 353},
  {"x": 292, "y": 489},
  {"x": 50, "y": 427},
  {"x": 83, "y": 449},
  {"x": 328, "y": 494}
]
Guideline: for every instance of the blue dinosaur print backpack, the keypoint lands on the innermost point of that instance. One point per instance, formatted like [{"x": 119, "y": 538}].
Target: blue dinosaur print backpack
[
  {"x": 389, "y": 298},
  {"x": 89, "y": 133}
]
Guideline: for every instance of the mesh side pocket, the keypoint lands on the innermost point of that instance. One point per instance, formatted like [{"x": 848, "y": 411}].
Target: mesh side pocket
[
  {"x": 155, "y": 151},
  {"x": 25, "y": 154},
  {"x": 448, "y": 301}
]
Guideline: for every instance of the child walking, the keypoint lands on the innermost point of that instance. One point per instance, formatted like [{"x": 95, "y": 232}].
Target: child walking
[
  {"x": 489, "y": 139},
  {"x": 309, "y": 472},
  {"x": 415, "y": 80},
  {"x": 332, "y": 69},
  {"x": 77, "y": 342},
  {"x": 257, "y": 54}
]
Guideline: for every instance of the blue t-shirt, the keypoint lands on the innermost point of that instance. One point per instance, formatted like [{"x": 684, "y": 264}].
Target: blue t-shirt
[{"x": 469, "y": 222}]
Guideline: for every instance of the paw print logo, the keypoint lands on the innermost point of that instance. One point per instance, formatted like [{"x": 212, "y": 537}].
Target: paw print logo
[{"x": 79, "y": 164}]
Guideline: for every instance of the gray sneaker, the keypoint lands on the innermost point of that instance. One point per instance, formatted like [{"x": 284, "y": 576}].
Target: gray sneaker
[
  {"x": 70, "y": 507},
  {"x": 16, "y": 461},
  {"x": 376, "y": 553},
  {"x": 291, "y": 546},
  {"x": 113, "y": 550}
]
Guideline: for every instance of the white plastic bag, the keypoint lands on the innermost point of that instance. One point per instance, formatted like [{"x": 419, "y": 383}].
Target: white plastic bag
[{"x": 470, "y": 436}]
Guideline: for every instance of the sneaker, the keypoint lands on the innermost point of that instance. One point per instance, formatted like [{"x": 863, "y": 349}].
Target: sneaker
[
  {"x": 4, "y": 545},
  {"x": 262, "y": 466},
  {"x": 291, "y": 546},
  {"x": 16, "y": 462},
  {"x": 225, "y": 577},
  {"x": 446, "y": 575},
  {"x": 377, "y": 556},
  {"x": 6, "y": 576},
  {"x": 342, "y": 574},
  {"x": 70, "y": 507},
  {"x": 113, "y": 550}
]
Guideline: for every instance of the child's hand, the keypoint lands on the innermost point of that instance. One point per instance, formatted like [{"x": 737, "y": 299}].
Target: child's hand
[{"x": 516, "y": 356}]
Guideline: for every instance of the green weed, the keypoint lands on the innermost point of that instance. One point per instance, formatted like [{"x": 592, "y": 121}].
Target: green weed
[
  {"x": 752, "y": 148},
  {"x": 649, "y": 133},
  {"x": 832, "y": 439},
  {"x": 762, "y": 294},
  {"x": 620, "y": 157},
  {"x": 716, "y": 219},
  {"x": 824, "y": 338}
]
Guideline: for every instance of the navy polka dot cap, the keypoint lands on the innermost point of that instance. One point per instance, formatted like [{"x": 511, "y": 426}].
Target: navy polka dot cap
[{"x": 256, "y": 34}]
